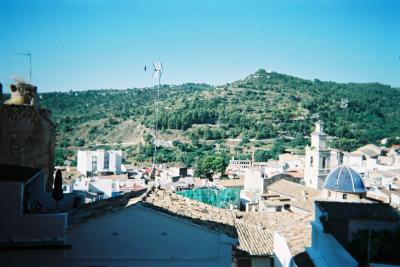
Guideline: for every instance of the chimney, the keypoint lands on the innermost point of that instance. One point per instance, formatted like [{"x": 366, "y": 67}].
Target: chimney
[{"x": 23, "y": 94}]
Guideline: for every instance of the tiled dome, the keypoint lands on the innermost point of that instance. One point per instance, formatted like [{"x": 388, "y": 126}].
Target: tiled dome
[{"x": 346, "y": 180}]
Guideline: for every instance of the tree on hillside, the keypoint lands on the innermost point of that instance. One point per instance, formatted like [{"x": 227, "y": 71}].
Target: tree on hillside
[{"x": 208, "y": 165}]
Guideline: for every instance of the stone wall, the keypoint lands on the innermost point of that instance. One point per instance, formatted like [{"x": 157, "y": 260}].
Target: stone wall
[{"x": 27, "y": 138}]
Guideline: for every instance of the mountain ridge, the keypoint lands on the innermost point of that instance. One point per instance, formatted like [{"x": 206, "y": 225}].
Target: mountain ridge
[{"x": 263, "y": 105}]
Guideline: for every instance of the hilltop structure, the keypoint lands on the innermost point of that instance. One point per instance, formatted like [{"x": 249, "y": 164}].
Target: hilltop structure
[{"x": 27, "y": 134}]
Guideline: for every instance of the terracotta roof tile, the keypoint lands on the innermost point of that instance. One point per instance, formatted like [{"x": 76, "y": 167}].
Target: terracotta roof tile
[
  {"x": 254, "y": 240},
  {"x": 293, "y": 190},
  {"x": 101, "y": 208}
]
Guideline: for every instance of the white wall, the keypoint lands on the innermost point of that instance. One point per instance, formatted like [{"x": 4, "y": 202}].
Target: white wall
[
  {"x": 253, "y": 180},
  {"x": 133, "y": 237},
  {"x": 26, "y": 227},
  {"x": 83, "y": 162},
  {"x": 136, "y": 236},
  {"x": 394, "y": 199},
  {"x": 325, "y": 249},
  {"x": 102, "y": 185},
  {"x": 81, "y": 184},
  {"x": 282, "y": 254},
  {"x": 115, "y": 160},
  {"x": 102, "y": 158}
]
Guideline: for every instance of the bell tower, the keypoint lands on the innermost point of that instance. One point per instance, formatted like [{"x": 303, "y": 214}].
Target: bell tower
[{"x": 317, "y": 165}]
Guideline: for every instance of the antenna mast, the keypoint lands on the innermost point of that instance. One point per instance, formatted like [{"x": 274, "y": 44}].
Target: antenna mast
[
  {"x": 158, "y": 68},
  {"x": 28, "y": 54},
  {"x": 344, "y": 103}
]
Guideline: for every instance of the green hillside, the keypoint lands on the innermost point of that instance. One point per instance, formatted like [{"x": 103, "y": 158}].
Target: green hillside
[{"x": 268, "y": 111}]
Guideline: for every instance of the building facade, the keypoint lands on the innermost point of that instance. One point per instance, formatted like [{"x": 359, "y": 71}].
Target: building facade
[
  {"x": 99, "y": 162},
  {"x": 317, "y": 162}
]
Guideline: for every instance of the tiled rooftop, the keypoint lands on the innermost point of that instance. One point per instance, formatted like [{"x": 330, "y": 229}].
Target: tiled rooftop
[
  {"x": 254, "y": 240},
  {"x": 101, "y": 208},
  {"x": 197, "y": 212},
  {"x": 274, "y": 221},
  {"x": 293, "y": 190},
  {"x": 295, "y": 227},
  {"x": 253, "y": 230},
  {"x": 232, "y": 182},
  {"x": 370, "y": 150},
  {"x": 298, "y": 236},
  {"x": 296, "y": 191}
]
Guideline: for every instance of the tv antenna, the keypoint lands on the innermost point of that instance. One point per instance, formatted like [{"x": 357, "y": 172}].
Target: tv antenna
[
  {"x": 157, "y": 71},
  {"x": 344, "y": 103},
  {"x": 27, "y": 54}
]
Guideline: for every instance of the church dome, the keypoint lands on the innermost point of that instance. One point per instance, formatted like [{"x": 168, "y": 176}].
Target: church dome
[{"x": 346, "y": 180}]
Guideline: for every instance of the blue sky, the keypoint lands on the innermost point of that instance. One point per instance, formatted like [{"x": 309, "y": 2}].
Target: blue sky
[{"x": 92, "y": 44}]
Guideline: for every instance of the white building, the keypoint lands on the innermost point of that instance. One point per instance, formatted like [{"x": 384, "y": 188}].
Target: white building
[
  {"x": 239, "y": 165},
  {"x": 294, "y": 162},
  {"x": 273, "y": 167},
  {"x": 370, "y": 158},
  {"x": 253, "y": 180},
  {"x": 317, "y": 162},
  {"x": 99, "y": 161}
]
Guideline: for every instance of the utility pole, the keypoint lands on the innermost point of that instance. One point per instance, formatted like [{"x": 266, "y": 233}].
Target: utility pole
[{"x": 28, "y": 54}]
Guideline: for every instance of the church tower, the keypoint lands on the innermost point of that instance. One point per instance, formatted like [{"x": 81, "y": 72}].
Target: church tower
[{"x": 317, "y": 165}]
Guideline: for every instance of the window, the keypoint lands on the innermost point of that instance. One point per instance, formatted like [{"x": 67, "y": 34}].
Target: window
[
  {"x": 329, "y": 193},
  {"x": 323, "y": 163},
  {"x": 311, "y": 161},
  {"x": 278, "y": 208},
  {"x": 344, "y": 196}
]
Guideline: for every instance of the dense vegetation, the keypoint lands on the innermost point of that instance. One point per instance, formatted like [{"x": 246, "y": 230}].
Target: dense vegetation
[{"x": 270, "y": 112}]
